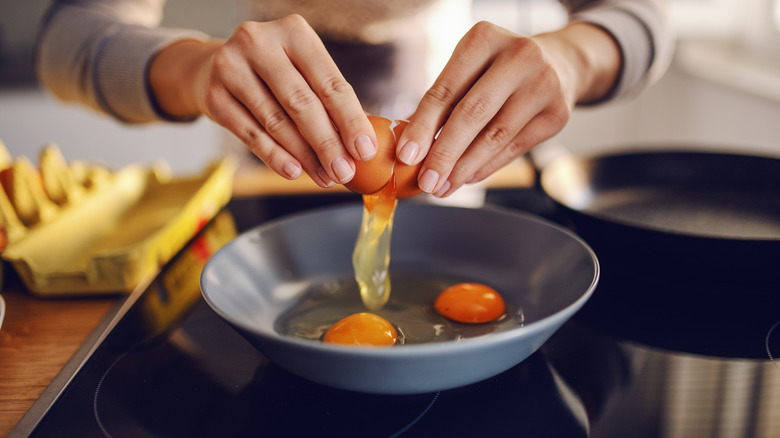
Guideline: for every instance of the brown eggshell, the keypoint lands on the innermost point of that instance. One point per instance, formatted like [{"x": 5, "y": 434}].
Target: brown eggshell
[
  {"x": 406, "y": 180},
  {"x": 372, "y": 175},
  {"x": 405, "y": 176}
]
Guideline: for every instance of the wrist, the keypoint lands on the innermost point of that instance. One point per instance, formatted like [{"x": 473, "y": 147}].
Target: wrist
[
  {"x": 178, "y": 76},
  {"x": 589, "y": 58}
]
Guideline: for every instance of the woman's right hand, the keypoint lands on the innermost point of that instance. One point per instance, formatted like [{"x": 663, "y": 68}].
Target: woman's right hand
[{"x": 273, "y": 85}]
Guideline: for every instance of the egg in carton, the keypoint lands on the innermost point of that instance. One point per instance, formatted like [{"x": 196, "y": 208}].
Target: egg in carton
[
  {"x": 31, "y": 196},
  {"x": 79, "y": 229}
]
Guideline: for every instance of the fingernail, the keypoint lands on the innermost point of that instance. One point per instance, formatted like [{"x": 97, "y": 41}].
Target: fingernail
[
  {"x": 409, "y": 152},
  {"x": 343, "y": 170},
  {"x": 291, "y": 170},
  {"x": 443, "y": 190},
  {"x": 429, "y": 180},
  {"x": 471, "y": 179},
  {"x": 325, "y": 180},
  {"x": 366, "y": 148}
]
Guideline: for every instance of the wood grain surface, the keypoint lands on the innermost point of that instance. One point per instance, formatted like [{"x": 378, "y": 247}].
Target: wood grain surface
[{"x": 37, "y": 338}]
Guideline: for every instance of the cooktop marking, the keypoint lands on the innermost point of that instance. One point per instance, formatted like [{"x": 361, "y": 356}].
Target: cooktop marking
[{"x": 766, "y": 344}]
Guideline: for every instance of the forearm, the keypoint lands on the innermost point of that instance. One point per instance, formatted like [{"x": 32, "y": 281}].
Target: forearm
[
  {"x": 643, "y": 33},
  {"x": 97, "y": 53}
]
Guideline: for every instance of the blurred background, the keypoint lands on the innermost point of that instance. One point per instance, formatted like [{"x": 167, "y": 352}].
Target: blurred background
[{"x": 722, "y": 90}]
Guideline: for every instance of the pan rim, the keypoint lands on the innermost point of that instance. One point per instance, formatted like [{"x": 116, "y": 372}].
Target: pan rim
[{"x": 583, "y": 161}]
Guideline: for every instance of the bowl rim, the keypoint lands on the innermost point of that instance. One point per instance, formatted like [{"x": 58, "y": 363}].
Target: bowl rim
[{"x": 412, "y": 350}]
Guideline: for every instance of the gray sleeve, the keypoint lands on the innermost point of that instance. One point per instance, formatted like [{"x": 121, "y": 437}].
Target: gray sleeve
[
  {"x": 643, "y": 32},
  {"x": 97, "y": 52}
]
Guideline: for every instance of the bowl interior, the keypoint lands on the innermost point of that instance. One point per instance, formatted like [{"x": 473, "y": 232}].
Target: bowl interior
[{"x": 537, "y": 266}]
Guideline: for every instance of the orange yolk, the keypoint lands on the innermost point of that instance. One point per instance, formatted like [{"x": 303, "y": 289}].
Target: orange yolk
[
  {"x": 362, "y": 329},
  {"x": 470, "y": 303}
]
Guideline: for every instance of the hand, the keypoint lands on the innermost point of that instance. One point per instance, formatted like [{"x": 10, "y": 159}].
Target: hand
[
  {"x": 501, "y": 94},
  {"x": 276, "y": 88}
]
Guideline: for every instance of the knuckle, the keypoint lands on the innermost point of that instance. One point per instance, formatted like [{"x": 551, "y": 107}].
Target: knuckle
[
  {"x": 354, "y": 121},
  {"x": 480, "y": 37},
  {"x": 554, "y": 118},
  {"x": 525, "y": 53},
  {"x": 335, "y": 87},
  {"x": 221, "y": 61},
  {"x": 488, "y": 168},
  {"x": 251, "y": 138},
  {"x": 328, "y": 144},
  {"x": 294, "y": 26},
  {"x": 247, "y": 33},
  {"x": 274, "y": 121},
  {"x": 294, "y": 21},
  {"x": 440, "y": 95},
  {"x": 523, "y": 48},
  {"x": 549, "y": 78},
  {"x": 274, "y": 158},
  {"x": 480, "y": 32},
  {"x": 459, "y": 171},
  {"x": 560, "y": 117},
  {"x": 474, "y": 108},
  {"x": 443, "y": 155},
  {"x": 495, "y": 137},
  {"x": 517, "y": 148},
  {"x": 212, "y": 98},
  {"x": 309, "y": 158},
  {"x": 259, "y": 145},
  {"x": 484, "y": 28},
  {"x": 422, "y": 128},
  {"x": 300, "y": 100}
]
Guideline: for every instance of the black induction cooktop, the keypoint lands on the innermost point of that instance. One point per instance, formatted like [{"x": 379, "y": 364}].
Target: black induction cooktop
[{"x": 644, "y": 358}]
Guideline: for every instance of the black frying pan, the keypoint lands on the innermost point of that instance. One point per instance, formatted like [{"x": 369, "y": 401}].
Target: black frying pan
[{"x": 705, "y": 219}]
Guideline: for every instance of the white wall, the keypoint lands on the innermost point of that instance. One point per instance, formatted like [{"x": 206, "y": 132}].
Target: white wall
[
  {"x": 681, "y": 110},
  {"x": 30, "y": 118}
]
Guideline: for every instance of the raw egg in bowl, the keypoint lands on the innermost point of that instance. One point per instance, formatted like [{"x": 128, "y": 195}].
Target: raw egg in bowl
[{"x": 283, "y": 284}]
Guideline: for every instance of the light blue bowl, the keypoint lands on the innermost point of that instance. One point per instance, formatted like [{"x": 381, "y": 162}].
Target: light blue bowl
[{"x": 534, "y": 263}]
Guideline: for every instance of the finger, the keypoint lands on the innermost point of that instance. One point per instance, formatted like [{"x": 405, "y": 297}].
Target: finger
[
  {"x": 300, "y": 102},
  {"x": 478, "y": 166},
  {"x": 336, "y": 95},
  {"x": 492, "y": 136},
  {"x": 434, "y": 108},
  {"x": 534, "y": 113},
  {"x": 234, "y": 82},
  {"x": 231, "y": 114},
  {"x": 254, "y": 96},
  {"x": 469, "y": 118},
  {"x": 471, "y": 57},
  {"x": 534, "y": 87}
]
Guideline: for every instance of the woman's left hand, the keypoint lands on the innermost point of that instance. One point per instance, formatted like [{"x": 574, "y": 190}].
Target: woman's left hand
[{"x": 500, "y": 95}]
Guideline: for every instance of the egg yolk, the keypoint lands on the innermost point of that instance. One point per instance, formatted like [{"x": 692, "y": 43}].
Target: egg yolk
[
  {"x": 470, "y": 303},
  {"x": 362, "y": 329}
]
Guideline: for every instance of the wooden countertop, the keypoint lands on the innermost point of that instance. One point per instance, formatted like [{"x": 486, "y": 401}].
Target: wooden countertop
[{"x": 37, "y": 338}]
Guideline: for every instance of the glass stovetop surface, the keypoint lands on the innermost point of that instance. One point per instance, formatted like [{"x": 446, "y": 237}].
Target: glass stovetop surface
[{"x": 642, "y": 359}]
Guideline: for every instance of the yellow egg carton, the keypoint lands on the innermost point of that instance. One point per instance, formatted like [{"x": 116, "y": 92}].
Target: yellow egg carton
[{"x": 78, "y": 229}]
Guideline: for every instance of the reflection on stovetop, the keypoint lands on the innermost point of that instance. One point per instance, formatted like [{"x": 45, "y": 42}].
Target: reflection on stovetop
[
  {"x": 642, "y": 359},
  {"x": 684, "y": 362},
  {"x": 201, "y": 379}
]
